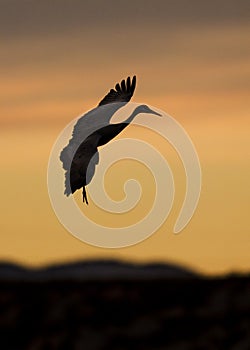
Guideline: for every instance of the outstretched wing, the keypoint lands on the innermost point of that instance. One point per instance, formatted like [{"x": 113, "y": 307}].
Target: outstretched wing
[
  {"x": 84, "y": 139},
  {"x": 122, "y": 92},
  {"x": 100, "y": 116}
]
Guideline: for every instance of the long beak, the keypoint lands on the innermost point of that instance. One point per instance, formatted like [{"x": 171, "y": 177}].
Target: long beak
[{"x": 153, "y": 112}]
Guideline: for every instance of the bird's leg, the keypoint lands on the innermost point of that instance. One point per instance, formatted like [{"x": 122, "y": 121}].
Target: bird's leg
[{"x": 84, "y": 195}]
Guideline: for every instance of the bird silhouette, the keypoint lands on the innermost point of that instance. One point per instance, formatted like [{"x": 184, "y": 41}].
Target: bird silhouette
[{"x": 92, "y": 130}]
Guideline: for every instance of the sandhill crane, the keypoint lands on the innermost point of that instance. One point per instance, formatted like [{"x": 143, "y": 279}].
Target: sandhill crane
[{"x": 93, "y": 130}]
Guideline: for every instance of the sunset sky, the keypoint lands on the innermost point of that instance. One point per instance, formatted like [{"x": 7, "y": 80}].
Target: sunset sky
[{"x": 192, "y": 60}]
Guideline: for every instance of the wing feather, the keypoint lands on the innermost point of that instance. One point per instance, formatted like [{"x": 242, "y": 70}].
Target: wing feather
[
  {"x": 76, "y": 164},
  {"x": 122, "y": 92}
]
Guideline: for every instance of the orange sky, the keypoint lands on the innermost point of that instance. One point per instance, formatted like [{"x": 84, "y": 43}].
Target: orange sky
[{"x": 59, "y": 60}]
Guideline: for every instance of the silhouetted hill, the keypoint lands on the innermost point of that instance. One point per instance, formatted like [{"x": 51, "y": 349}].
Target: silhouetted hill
[
  {"x": 99, "y": 269},
  {"x": 116, "y": 306}
]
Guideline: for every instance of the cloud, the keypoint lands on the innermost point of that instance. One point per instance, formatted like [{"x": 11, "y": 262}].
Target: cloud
[
  {"x": 64, "y": 55},
  {"x": 46, "y": 18}
]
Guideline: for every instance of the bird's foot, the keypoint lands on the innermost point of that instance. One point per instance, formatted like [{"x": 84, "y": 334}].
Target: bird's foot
[{"x": 84, "y": 196}]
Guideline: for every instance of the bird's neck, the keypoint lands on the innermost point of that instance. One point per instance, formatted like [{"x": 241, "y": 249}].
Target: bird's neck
[{"x": 130, "y": 118}]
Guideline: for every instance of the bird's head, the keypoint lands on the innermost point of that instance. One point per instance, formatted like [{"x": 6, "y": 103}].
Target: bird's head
[{"x": 145, "y": 109}]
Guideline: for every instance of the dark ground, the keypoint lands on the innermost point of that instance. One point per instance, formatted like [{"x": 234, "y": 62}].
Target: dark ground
[{"x": 182, "y": 312}]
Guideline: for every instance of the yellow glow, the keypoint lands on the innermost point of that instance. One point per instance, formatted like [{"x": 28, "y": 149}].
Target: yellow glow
[{"x": 197, "y": 76}]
